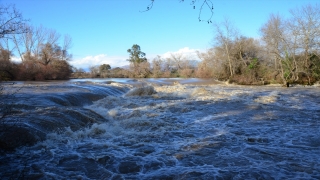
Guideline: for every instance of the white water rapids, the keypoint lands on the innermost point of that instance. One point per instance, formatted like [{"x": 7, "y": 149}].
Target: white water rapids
[{"x": 186, "y": 130}]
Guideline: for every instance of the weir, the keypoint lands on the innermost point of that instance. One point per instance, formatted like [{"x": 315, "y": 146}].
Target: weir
[{"x": 35, "y": 111}]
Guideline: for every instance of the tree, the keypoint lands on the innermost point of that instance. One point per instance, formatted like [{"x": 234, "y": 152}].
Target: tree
[
  {"x": 141, "y": 70},
  {"x": 138, "y": 61},
  {"x": 7, "y": 68},
  {"x": 136, "y": 56},
  {"x": 157, "y": 67},
  {"x": 42, "y": 53},
  {"x": 305, "y": 30},
  {"x": 248, "y": 59},
  {"x": 294, "y": 44},
  {"x": 104, "y": 68},
  {"x": 11, "y": 21},
  {"x": 94, "y": 71},
  {"x": 226, "y": 33},
  {"x": 78, "y": 73},
  {"x": 209, "y": 67},
  {"x": 180, "y": 65},
  {"x": 274, "y": 36},
  {"x": 42, "y": 44},
  {"x": 51, "y": 52}
]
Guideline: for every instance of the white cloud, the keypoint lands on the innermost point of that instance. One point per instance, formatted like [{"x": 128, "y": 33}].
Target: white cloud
[
  {"x": 186, "y": 52},
  {"x": 120, "y": 61},
  {"x": 88, "y": 61},
  {"x": 16, "y": 59}
]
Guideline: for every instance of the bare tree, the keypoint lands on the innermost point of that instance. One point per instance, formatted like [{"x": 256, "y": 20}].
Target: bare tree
[
  {"x": 182, "y": 65},
  {"x": 157, "y": 66},
  {"x": 305, "y": 28},
  {"x": 67, "y": 44},
  {"x": 43, "y": 54},
  {"x": 177, "y": 60},
  {"x": 226, "y": 33},
  {"x": 94, "y": 71},
  {"x": 11, "y": 21},
  {"x": 187, "y": 69},
  {"x": 7, "y": 68},
  {"x": 38, "y": 42},
  {"x": 208, "y": 67},
  {"x": 275, "y": 36}
]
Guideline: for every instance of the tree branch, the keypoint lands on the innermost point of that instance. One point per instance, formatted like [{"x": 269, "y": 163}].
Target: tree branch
[
  {"x": 149, "y": 7},
  {"x": 207, "y": 3}
]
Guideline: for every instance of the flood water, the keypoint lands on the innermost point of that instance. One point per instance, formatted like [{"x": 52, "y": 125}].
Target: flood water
[{"x": 180, "y": 129}]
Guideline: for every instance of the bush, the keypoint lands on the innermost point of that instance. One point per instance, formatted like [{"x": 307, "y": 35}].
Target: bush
[{"x": 56, "y": 70}]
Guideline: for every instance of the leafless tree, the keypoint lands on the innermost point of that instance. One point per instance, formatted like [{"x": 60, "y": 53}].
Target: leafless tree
[
  {"x": 274, "y": 34},
  {"x": 140, "y": 70},
  {"x": 177, "y": 60},
  {"x": 42, "y": 43},
  {"x": 42, "y": 53},
  {"x": 225, "y": 34},
  {"x": 294, "y": 44},
  {"x": 305, "y": 36},
  {"x": 187, "y": 69},
  {"x": 157, "y": 66},
  {"x": 208, "y": 66},
  {"x": 11, "y": 21},
  {"x": 94, "y": 71}
]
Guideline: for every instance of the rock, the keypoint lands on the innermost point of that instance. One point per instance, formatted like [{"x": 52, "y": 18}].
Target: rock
[
  {"x": 141, "y": 91},
  {"x": 176, "y": 83},
  {"x": 200, "y": 92},
  {"x": 103, "y": 160},
  {"x": 147, "y": 149},
  {"x": 152, "y": 166},
  {"x": 135, "y": 113}
]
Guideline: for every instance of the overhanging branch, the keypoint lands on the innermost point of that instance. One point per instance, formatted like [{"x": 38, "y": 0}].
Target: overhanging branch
[{"x": 205, "y": 3}]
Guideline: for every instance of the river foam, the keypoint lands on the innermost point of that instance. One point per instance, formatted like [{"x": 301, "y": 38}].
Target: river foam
[{"x": 183, "y": 131}]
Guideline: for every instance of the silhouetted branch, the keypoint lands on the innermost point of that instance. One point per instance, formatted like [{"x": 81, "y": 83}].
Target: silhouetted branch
[
  {"x": 11, "y": 21},
  {"x": 149, "y": 6},
  {"x": 210, "y": 6},
  {"x": 207, "y": 3}
]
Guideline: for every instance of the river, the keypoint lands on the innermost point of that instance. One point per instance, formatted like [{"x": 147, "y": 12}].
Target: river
[{"x": 159, "y": 129}]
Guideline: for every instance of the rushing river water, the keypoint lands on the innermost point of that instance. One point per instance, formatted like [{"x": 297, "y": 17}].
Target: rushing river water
[{"x": 160, "y": 129}]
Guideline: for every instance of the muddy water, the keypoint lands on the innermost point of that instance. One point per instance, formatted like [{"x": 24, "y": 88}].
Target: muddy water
[{"x": 194, "y": 129}]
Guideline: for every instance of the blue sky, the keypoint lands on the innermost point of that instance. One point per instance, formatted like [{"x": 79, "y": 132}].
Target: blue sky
[{"x": 103, "y": 30}]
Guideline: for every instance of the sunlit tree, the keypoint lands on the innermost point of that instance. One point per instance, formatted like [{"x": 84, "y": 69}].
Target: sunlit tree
[{"x": 136, "y": 56}]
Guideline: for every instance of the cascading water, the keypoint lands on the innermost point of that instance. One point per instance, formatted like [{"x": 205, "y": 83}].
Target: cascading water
[{"x": 162, "y": 131}]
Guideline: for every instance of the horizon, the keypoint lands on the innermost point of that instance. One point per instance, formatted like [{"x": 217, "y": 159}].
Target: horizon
[{"x": 102, "y": 31}]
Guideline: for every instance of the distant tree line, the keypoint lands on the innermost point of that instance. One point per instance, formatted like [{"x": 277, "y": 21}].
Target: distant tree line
[
  {"x": 43, "y": 56},
  {"x": 175, "y": 66}
]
